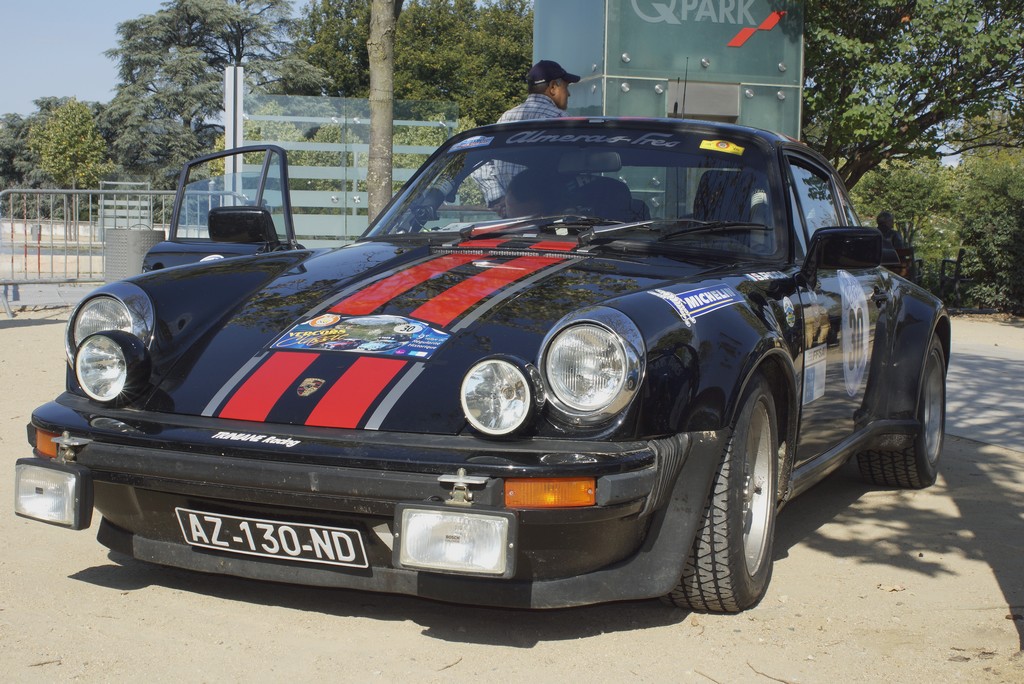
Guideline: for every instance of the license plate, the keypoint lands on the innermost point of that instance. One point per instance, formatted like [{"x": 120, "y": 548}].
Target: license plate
[{"x": 273, "y": 538}]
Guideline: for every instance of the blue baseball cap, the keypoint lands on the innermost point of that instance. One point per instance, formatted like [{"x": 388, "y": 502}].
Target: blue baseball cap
[{"x": 545, "y": 70}]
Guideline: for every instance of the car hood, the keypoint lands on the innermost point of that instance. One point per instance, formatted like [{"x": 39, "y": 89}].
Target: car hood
[{"x": 372, "y": 336}]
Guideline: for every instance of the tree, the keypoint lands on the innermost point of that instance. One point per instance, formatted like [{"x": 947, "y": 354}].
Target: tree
[
  {"x": 171, "y": 66},
  {"x": 501, "y": 52},
  {"x": 915, "y": 192},
  {"x": 992, "y": 214},
  {"x": 474, "y": 54},
  {"x": 332, "y": 35},
  {"x": 471, "y": 53},
  {"x": 922, "y": 196},
  {"x": 70, "y": 147},
  {"x": 13, "y": 149},
  {"x": 895, "y": 79},
  {"x": 381, "y": 49},
  {"x": 20, "y": 165}
]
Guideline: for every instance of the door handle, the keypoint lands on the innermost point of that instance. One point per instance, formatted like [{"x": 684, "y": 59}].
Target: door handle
[{"x": 879, "y": 297}]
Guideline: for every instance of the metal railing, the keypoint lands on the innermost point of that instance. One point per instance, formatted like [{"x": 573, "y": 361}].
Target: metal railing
[{"x": 58, "y": 236}]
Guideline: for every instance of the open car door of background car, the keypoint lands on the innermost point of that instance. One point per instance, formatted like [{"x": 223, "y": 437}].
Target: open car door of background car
[{"x": 231, "y": 203}]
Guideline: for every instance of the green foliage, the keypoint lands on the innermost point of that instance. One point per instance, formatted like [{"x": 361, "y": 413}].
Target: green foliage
[
  {"x": 472, "y": 53},
  {"x": 14, "y": 150},
  {"x": 992, "y": 212},
  {"x": 332, "y": 35},
  {"x": 501, "y": 52},
  {"x": 171, "y": 65},
  {"x": 20, "y": 165},
  {"x": 893, "y": 79},
  {"x": 921, "y": 195},
  {"x": 70, "y": 147}
]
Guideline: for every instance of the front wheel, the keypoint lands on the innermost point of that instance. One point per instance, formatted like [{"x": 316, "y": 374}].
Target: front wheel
[
  {"x": 730, "y": 562},
  {"x": 917, "y": 466}
]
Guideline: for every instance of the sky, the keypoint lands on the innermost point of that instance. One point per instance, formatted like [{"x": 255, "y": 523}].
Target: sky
[{"x": 55, "y": 48}]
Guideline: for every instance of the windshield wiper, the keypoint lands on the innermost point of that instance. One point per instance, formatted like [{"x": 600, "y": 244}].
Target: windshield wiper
[
  {"x": 491, "y": 229},
  {"x": 714, "y": 227},
  {"x": 606, "y": 229},
  {"x": 541, "y": 223},
  {"x": 693, "y": 226}
]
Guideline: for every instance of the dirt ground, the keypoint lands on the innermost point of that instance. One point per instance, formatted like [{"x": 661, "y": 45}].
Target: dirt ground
[{"x": 869, "y": 585}]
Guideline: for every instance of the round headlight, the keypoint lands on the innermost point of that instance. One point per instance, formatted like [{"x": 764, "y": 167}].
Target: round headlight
[
  {"x": 98, "y": 314},
  {"x": 112, "y": 366},
  {"x": 587, "y": 367},
  {"x": 498, "y": 397},
  {"x": 101, "y": 368},
  {"x": 117, "y": 306}
]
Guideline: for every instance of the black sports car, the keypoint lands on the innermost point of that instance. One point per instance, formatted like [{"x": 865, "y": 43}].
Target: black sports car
[{"x": 573, "y": 361}]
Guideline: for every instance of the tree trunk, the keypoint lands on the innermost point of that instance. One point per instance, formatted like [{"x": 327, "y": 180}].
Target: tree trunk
[{"x": 381, "y": 49}]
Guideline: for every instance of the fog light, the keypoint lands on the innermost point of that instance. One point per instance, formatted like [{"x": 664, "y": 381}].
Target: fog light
[
  {"x": 112, "y": 366},
  {"x": 444, "y": 539},
  {"x": 500, "y": 395},
  {"x": 55, "y": 493}
]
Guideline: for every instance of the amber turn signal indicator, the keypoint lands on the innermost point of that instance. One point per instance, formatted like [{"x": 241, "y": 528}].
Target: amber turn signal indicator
[
  {"x": 45, "y": 444},
  {"x": 549, "y": 492}
]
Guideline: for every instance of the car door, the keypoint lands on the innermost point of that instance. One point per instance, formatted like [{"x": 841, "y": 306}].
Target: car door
[{"x": 841, "y": 310}]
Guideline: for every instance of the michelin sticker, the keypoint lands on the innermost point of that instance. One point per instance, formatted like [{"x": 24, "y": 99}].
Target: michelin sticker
[
  {"x": 854, "y": 332},
  {"x": 693, "y": 304},
  {"x": 814, "y": 373},
  {"x": 379, "y": 335}
]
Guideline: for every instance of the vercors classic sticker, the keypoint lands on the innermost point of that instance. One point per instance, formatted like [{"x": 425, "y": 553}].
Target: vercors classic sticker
[{"x": 379, "y": 335}]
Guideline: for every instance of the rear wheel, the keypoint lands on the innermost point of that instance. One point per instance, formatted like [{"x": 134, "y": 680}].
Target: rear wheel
[
  {"x": 731, "y": 559},
  {"x": 916, "y": 466}
]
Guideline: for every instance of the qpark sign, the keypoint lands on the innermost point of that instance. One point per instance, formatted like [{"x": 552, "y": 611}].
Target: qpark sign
[
  {"x": 746, "y": 15},
  {"x": 724, "y": 41}
]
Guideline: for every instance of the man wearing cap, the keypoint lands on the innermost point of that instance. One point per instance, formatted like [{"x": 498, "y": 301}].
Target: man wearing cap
[
  {"x": 548, "y": 96},
  {"x": 548, "y": 87}
]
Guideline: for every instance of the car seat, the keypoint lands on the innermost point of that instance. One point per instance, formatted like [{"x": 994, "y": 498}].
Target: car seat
[{"x": 607, "y": 198}]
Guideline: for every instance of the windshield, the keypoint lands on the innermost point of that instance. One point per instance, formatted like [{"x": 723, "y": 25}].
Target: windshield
[{"x": 671, "y": 187}]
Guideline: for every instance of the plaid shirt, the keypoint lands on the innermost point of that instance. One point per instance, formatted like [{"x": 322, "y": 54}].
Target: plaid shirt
[
  {"x": 493, "y": 178},
  {"x": 537, "y": 106}
]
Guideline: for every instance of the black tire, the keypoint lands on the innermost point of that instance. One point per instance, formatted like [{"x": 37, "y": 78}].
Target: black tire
[
  {"x": 915, "y": 467},
  {"x": 730, "y": 562}
]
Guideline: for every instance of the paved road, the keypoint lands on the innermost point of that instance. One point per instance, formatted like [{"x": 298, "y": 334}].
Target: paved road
[{"x": 985, "y": 385}]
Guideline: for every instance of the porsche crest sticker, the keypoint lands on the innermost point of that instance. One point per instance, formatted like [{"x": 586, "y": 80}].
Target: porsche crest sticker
[{"x": 309, "y": 386}]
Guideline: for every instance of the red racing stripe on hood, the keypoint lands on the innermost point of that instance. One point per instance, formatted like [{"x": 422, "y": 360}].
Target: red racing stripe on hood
[
  {"x": 347, "y": 401},
  {"x": 456, "y": 300},
  {"x": 380, "y": 293},
  {"x": 258, "y": 394}
]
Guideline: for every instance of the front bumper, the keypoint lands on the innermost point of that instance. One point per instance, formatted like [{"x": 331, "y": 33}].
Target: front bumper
[{"x": 631, "y": 544}]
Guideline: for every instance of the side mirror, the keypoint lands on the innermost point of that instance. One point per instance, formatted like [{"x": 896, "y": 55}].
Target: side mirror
[
  {"x": 835, "y": 248},
  {"x": 242, "y": 224}
]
